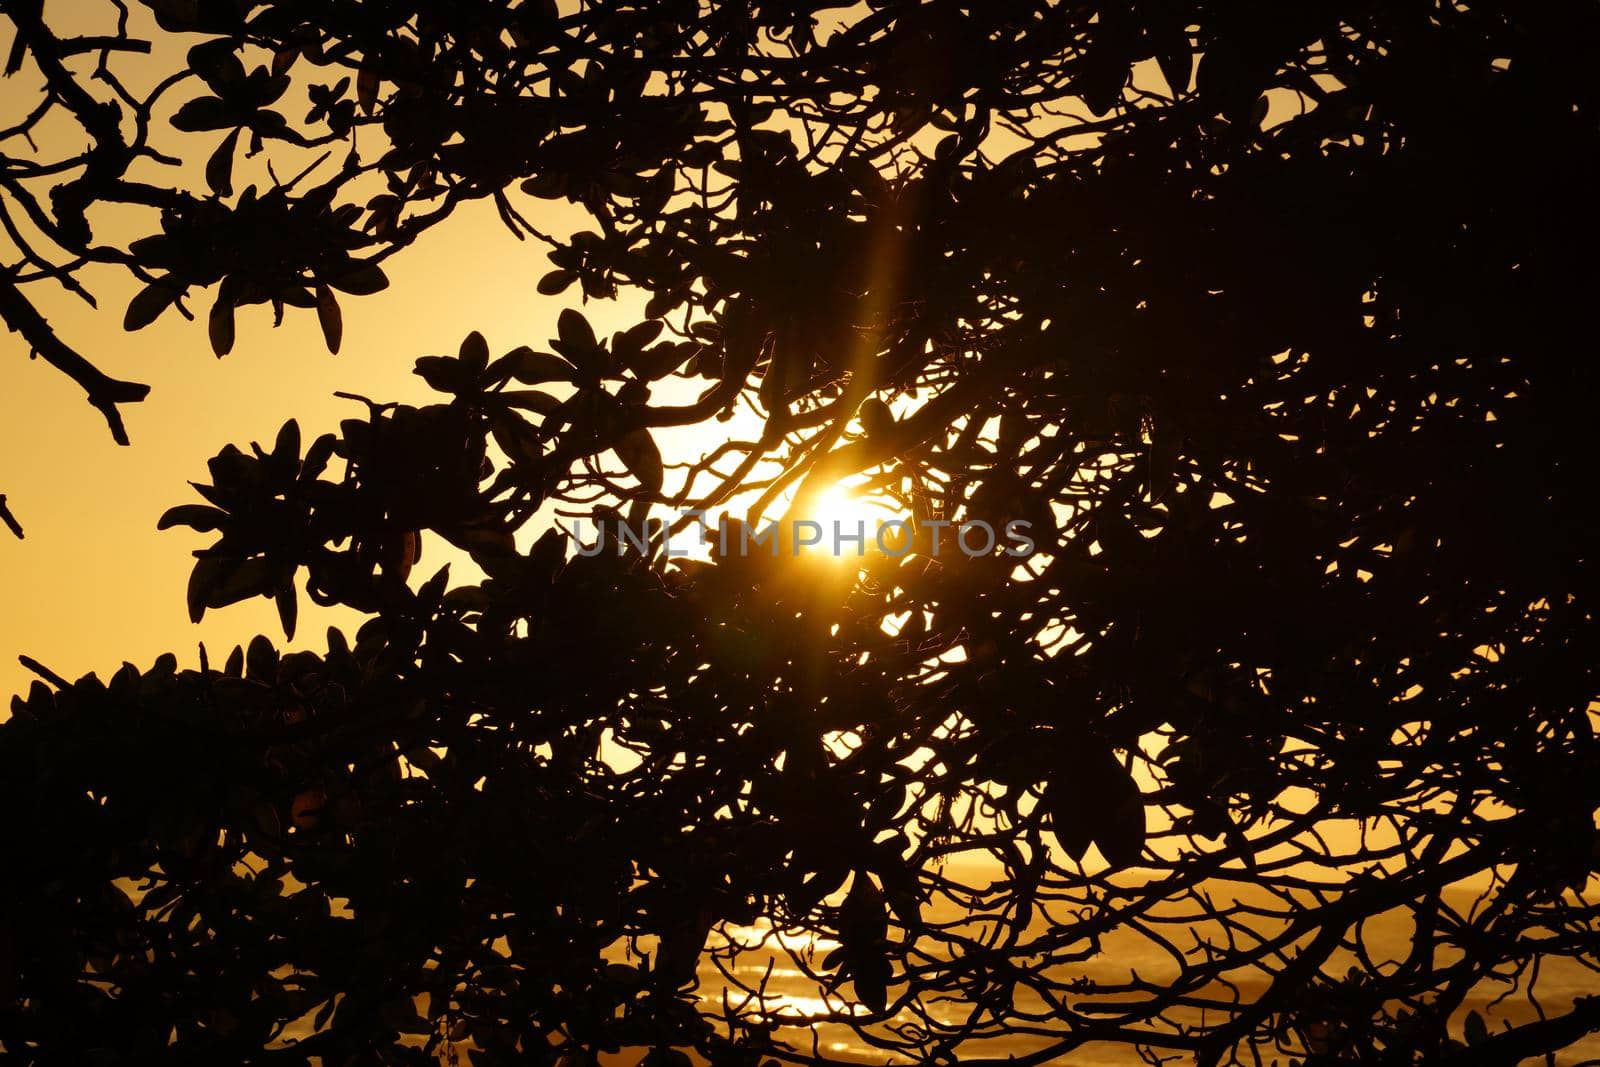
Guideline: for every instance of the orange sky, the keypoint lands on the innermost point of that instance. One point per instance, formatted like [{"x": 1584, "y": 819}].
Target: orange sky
[{"x": 94, "y": 583}]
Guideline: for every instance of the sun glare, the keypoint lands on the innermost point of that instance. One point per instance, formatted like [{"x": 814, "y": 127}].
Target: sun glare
[{"x": 850, "y": 514}]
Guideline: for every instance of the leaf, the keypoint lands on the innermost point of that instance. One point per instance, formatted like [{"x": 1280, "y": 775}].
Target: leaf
[
  {"x": 399, "y": 552},
  {"x": 557, "y": 281},
  {"x": 288, "y": 608},
  {"x": 431, "y": 592},
  {"x": 870, "y": 976},
  {"x": 1474, "y": 1029},
  {"x": 1258, "y": 111},
  {"x": 876, "y": 418},
  {"x": 1176, "y": 63},
  {"x": 515, "y": 436},
  {"x": 530, "y": 400},
  {"x": 661, "y": 360},
  {"x": 217, "y": 62},
  {"x": 575, "y": 330},
  {"x": 900, "y": 891},
  {"x": 331, "y": 319},
  {"x": 367, "y": 82},
  {"x": 176, "y": 16},
  {"x": 202, "y": 113},
  {"x": 317, "y": 457},
  {"x": 446, "y": 374},
  {"x": 474, "y": 352},
  {"x": 628, "y": 346},
  {"x": 552, "y": 185},
  {"x": 364, "y": 280},
  {"x": 578, "y": 343},
  {"x": 261, "y": 660},
  {"x": 678, "y": 952},
  {"x": 148, "y": 305},
  {"x": 1099, "y": 77},
  {"x": 218, "y": 581},
  {"x": 283, "y": 463},
  {"x": 220, "y": 326},
  {"x": 283, "y": 59},
  {"x": 488, "y": 542},
  {"x": 863, "y": 917},
  {"x": 636, "y": 337},
  {"x": 1119, "y": 814},
  {"x": 1093, "y": 798},
  {"x": 207, "y": 573},
  {"x": 534, "y": 368},
  {"x": 1067, "y": 821},
  {"x": 639, "y": 454},
  {"x": 219, "y": 168},
  {"x": 1229, "y": 80},
  {"x": 863, "y": 933},
  {"x": 200, "y": 517}
]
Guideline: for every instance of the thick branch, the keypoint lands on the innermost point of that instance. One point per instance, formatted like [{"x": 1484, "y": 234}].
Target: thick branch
[{"x": 1534, "y": 1039}]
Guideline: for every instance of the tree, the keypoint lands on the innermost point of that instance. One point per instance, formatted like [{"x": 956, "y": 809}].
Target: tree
[{"x": 1266, "y": 320}]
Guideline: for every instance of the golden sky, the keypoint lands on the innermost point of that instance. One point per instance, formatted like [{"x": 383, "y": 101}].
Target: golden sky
[{"x": 94, "y": 583}]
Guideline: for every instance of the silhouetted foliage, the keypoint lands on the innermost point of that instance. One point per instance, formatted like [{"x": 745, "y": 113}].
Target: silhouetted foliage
[{"x": 1274, "y": 320}]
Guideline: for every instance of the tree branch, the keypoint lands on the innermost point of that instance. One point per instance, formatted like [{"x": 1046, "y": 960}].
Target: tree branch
[
  {"x": 104, "y": 392},
  {"x": 9, "y": 519}
]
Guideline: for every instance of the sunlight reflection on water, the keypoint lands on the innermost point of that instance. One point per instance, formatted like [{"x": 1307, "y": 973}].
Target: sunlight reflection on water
[
  {"x": 794, "y": 999},
  {"x": 771, "y": 966}
]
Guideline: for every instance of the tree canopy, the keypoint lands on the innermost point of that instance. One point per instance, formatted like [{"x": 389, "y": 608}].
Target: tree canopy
[{"x": 1272, "y": 320}]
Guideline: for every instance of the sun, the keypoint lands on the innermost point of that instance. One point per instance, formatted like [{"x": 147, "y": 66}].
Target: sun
[{"x": 844, "y": 515}]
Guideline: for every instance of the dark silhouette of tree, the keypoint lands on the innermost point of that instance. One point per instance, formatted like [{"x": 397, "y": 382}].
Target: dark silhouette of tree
[{"x": 1274, "y": 320}]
